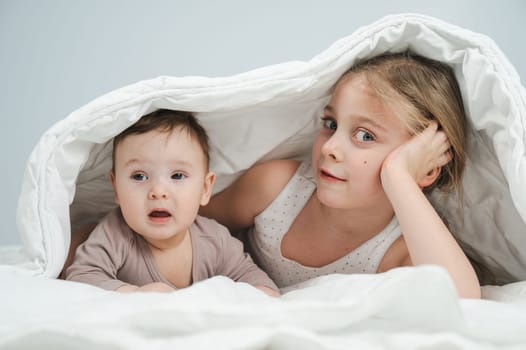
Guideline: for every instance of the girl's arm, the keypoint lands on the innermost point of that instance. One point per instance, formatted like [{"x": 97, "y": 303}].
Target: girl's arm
[
  {"x": 411, "y": 166},
  {"x": 237, "y": 205}
]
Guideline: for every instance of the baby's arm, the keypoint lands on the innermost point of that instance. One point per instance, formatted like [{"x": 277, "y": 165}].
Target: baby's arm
[
  {"x": 239, "y": 266},
  {"x": 407, "y": 169},
  {"x": 99, "y": 258},
  {"x": 150, "y": 287},
  {"x": 77, "y": 238}
]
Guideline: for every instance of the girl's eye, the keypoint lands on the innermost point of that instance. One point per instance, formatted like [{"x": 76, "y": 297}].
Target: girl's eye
[
  {"x": 178, "y": 176},
  {"x": 139, "y": 177},
  {"x": 364, "y": 136},
  {"x": 329, "y": 123}
]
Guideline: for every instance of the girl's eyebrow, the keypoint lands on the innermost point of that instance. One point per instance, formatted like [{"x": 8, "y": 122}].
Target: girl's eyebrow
[
  {"x": 328, "y": 108},
  {"x": 373, "y": 122},
  {"x": 360, "y": 119}
]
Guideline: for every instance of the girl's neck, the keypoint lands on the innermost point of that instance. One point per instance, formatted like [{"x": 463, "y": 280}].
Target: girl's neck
[{"x": 360, "y": 223}]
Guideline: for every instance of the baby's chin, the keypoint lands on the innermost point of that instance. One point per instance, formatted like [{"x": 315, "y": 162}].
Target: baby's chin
[
  {"x": 163, "y": 239},
  {"x": 155, "y": 232}
]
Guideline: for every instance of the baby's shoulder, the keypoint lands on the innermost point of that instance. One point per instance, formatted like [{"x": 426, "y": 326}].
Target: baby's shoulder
[
  {"x": 113, "y": 228},
  {"x": 208, "y": 227},
  {"x": 205, "y": 231}
]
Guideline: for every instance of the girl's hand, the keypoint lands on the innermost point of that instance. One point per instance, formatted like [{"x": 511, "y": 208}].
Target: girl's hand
[
  {"x": 405, "y": 171},
  {"x": 421, "y": 157}
]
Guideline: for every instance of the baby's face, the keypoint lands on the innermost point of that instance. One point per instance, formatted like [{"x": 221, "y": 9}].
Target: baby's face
[{"x": 160, "y": 181}]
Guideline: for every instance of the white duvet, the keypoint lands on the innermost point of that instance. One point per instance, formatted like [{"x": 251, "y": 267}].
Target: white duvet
[
  {"x": 406, "y": 308},
  {"x": 273, "y": 112}
]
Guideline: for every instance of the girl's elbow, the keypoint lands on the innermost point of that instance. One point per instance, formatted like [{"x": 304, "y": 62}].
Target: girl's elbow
[{"x": 471, "y": 292}]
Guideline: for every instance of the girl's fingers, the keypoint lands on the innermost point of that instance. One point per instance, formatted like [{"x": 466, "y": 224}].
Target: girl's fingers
[
  {"x": 438, "y": 140},
  {"x": 444, "y": 147},
  {"x": 444, "y": 158},
  {"x": 433, "y": 126},
  {"x": 437, "y": 143}
]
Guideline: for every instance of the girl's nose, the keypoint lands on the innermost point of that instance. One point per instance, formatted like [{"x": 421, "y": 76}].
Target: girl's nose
[{"x": 332, "y": 148}]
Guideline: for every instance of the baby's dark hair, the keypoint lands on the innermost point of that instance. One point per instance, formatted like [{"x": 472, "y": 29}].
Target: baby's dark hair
[{"x": 166, "y": 120}]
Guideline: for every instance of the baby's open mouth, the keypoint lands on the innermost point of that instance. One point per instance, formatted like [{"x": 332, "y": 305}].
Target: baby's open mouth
[{"x": 159, "y": 214}]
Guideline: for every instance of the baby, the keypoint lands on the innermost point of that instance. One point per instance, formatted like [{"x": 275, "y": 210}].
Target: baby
[{"x": 155, "y": 241}]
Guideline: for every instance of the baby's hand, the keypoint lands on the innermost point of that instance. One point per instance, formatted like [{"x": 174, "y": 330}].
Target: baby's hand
[
  {"x": 419, "y": 156},
  {"x": 269, "y": 291},
  {"x": 150, "y": 287},
  {"x": 156, "y": 287}
]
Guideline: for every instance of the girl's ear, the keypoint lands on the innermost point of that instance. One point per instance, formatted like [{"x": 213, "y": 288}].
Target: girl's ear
[
  {"x": 429, "y": 178},
  {"x": 208, "y": 185},
  {"x": 112, "y": 180}
]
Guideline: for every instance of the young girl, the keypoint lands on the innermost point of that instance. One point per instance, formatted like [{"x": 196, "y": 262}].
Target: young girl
[{"x": 393, "y": 128}]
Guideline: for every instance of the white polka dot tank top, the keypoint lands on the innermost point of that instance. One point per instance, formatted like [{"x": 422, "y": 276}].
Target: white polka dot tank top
[{"x": 264, "y": 239}]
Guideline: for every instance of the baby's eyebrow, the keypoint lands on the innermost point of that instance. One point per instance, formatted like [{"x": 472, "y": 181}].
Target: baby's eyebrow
[
  {"x": 132, "y": 161},
  {"x": 184, "y": 163}
]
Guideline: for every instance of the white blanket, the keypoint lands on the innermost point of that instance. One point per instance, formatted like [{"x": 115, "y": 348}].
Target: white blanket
[
  {"x": 406, "y": 308},
  {"x": 267, "y": 113}
]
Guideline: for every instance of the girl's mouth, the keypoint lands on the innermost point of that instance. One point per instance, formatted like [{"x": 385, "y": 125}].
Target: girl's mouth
[{"x": 326, "y": 175}]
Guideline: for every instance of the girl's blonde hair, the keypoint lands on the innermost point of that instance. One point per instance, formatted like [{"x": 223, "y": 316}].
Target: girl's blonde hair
[{"x": 420, "y": 90}]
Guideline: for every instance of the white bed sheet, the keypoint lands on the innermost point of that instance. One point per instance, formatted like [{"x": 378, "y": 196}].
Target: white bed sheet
[{"x": 405, "y": 308}]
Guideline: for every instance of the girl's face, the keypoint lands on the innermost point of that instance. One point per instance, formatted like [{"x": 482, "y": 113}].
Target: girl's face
[{"x": 357, "y": 134}]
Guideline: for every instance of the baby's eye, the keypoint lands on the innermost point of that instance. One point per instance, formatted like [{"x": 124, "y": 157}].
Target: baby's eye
[
  {"x": 178, "y": 176},
  {"x": 364, "y": 136},
  {"x": 329, "y": 123},
  {"x": 139, "y": 177}
]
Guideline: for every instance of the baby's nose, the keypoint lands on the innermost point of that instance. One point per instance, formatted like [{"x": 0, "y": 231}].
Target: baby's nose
[{"x": 157, "y": 192}]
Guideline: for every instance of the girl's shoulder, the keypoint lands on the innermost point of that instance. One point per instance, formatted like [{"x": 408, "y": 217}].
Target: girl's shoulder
[
  {"x": 237, "y": 206},
  {"x": 273, "y": 174},
  {"x": 263, "y": 183},
  {"x": 266, "y": 180}
]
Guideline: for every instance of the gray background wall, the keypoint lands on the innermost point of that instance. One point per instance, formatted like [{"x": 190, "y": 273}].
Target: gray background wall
[{"x": 57, "y": 55}]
